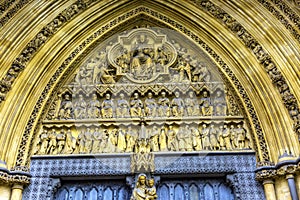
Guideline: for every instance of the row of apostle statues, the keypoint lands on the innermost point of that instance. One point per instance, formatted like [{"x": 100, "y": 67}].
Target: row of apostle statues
[
  {"x": 162, "y": 106},
  {"x": 155, "y": 139}
]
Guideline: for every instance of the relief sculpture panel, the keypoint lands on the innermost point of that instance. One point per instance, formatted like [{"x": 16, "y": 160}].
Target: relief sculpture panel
[{"x": 144, "y": 90}]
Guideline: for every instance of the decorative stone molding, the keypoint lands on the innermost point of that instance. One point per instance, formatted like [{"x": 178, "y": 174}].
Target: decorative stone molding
[
  {"x": 35, "y": 44},
  {"x": 10, "y": 177},
  {"x": 289, "y": 13},
  {"x": 10, "y": 10},
  {"x": 282, "y": 169}
]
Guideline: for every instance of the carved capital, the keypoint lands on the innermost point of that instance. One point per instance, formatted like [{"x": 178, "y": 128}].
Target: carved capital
[
  {"x": 266, "y": 174},
  {"x": 11, "y": 177}
]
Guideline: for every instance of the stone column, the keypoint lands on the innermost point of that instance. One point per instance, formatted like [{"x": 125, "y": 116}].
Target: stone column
[
  {"x": 269, "y": 189},
  {"x": 17, "y": 191},
  {"x": 297, "y": 179},
  {"x": 292, "y": 186},
  {"x": 5, "y": 191},
  {"x": 282, "y": 189}
]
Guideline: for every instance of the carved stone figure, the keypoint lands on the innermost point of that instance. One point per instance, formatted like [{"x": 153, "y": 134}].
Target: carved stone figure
[
  {"x": 80, "y": 108},
  {"x": 196, "y": 139},
  {"x": 220, "y": 138},
  {"x": 43, "y": 141},
  {"x": 150, "y": 106},
  {"x": 124, "y": 60},
  {"x": 204, "y": 75},
  {"x": 105, "y": 76},
  {"x": 122, "y": 107},
  {"x": 205, "y": 104},
  {"x": 172, "y": 139},
  {"x": 70, "y": 143},
  {"x": 121, "y": 141},
  {"x": 233, "y": 137},
  {"x": 154, "y": 144},
  {"x": 177, "y": 105},
  {"x": 241, "y": 133},
  {"x": 130, "y": 140},
  {"x": 66, "y": 108},
  {"x": 84, "y": 76},
  {"x": 219, "y": 103},
  {"x": 226, "y": 137},
  {"x": 94, "y": 107},
  {"x": 213, "y": 138},
  {"x": 163, "y": 105},
  {"x": 107, "y": 107},
  {"x": 61, "y": 139},
  {"x": 140, "y": 189},
  {"x": 188, "y": 138},
  {"x": 97, "y": 138},
  {"x": 161, "y": 58},
  {"x": 181, "y": 135},
  {"x": 81, "y": 142},
  {"x": 100, "y": 63},
  {"x": 141, "y": 63},
  {"x": 143, "y": 146},
  {"x": 52, "y": 146},
  {"x": 191, "y": 104},
  {"x": 184, "y": 71},
  {"x": 205, "y": 137},
  {"x": 151, "y": 191},
  {"x": 163, "y": 140},
  {"x": 136, "y": 106},
  {"x": 110, "y": 142}
]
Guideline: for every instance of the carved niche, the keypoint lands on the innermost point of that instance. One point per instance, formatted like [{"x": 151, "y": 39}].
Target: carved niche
[{"x": 143, "y": 91}]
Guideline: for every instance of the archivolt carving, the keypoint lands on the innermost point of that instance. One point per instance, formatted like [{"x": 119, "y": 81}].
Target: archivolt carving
[
  {"x": 10, "y": 12},
  {"x": 27, "y": 54},
  {"x": 22, "y": 154},
  {"x": 262, "y": 56},
  {"x": 288, "y": 12}
]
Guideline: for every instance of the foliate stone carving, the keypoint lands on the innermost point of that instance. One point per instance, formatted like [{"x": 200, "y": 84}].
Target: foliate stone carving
[{"x": 18, "y": 175}]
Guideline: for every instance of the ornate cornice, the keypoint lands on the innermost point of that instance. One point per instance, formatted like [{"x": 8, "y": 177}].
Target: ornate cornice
[
  {"x": 282, "y": 169},
  {"x": 15, "y": 176}
]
